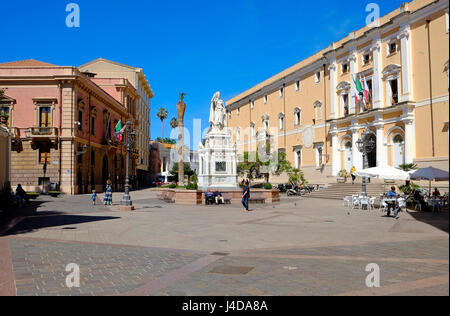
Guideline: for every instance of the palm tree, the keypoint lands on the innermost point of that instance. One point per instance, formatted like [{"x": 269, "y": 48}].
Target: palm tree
[
  {"x": 162, "y": 115},
  {"x": 174, "y": 123},
  {"x": 408, "y": 167}
]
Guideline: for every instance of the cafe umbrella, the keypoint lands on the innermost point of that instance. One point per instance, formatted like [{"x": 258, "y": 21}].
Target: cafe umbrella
[{"x": 430, "y": 174}]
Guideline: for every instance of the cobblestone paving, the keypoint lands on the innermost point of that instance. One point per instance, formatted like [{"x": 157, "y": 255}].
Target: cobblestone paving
[
  {"x": 436, "y": 249},
  {"x": 276, "y": 276},
  {"x": 39, "y": 267}
]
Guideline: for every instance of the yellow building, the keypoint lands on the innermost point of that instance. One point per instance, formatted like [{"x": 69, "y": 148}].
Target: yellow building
[{"x": 311, "y": 111}]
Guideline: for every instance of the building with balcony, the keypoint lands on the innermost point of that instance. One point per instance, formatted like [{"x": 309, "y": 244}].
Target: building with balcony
[
  {"x": 103, "y": 69},
  {"x": 62, "y": 125},
  {"x": 311, "y": 112}
]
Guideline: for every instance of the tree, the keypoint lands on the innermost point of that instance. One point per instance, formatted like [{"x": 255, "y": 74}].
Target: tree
[
  {"x": 2, "y": 93},
  {"x": 296, "y": 177},
  {"x": 187, "y": 171},
  {"x": 174, "y": 123},
  {"x": 254, "y": 168},
  {"x": 408, "y": 167},
  {"x": 162, "y": 115},
  {"x": 166, "y": 141}
]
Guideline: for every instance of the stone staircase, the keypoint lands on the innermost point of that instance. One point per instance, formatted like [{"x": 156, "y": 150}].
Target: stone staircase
[{"x": 337, "y": 191}]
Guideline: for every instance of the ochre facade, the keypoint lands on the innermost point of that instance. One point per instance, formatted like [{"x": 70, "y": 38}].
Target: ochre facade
[{"x": 407, "y": 113}]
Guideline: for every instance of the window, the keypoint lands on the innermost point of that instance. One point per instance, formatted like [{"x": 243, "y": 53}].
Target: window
[
  {"x": 345, "y": 100},
  {"x": 392, "y": 48},
  {"x": 265, "y": 99},
  {"x": 281, "y": 117},
  {"x": 366, "y": 59},
  {"x": 80, "y": 120},
  {"x": 44, "y": 156},
  {"x": 319, "y": 155},
  {"x": 252, "y": 129},
  {"x": 252, "y": 104},
  {"x": 238, "y": 134},
  {"x": 45, "y": 116},
  {"x": 318, "y": 110},
  {"x": 447, "y": 22},
  {"x": 238, "y": 111},
  {"x": 93, "y": 120},
  {"x": 281, "y": 92},
  {"x": 297, "y": 116},
  {"x": 93, "y": 158},
  {"x": 393, "y": 84},
  {"x": 4, "y": 115},
  {"x": 345, "y": 68},
  {"x": 317, "y": 77},
  {"x": 298, "y": 158},
  {"x": 297, "y": 85}
]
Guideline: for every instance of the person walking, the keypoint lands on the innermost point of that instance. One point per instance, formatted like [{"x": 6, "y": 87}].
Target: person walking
[
  {"x": 108, "y": 194},
  {"x": 246, "y": 196},
  {"x": 352, "y": 173}
]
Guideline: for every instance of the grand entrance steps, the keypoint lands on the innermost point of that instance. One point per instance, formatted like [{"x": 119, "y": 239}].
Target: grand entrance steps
[{"x": 337, "y": 191}]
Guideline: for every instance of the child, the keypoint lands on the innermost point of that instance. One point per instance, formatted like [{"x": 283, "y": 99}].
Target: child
[{"x": 94, "y": 196}]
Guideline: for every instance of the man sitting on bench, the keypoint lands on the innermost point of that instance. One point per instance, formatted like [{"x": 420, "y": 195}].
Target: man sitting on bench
[
  {"x": 219, "y": 198},
  {"x": 209, "y": 197}
]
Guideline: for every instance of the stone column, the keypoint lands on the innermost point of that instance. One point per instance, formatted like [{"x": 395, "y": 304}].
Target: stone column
[
  {"x": 336, "y": 157},
  {"x": 333, "y": 79},
  {"x": 381, "y": 150},
  {"x": 405, "y": 40},
  {"x": 181, "y": 108},
  {"x": 410, "y": 141},
  {"x": 357, "y": 155},
  {"x": 377, "y": 80},
  {"x": 353, "y": 71}
]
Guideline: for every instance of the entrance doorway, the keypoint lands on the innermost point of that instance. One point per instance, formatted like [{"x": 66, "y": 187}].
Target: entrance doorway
[
  {"x": 399, "y": 153},
  {"x": 372, "y": 156}
]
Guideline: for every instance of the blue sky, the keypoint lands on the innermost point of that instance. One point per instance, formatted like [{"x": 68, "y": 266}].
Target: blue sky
[{"x": 194, "y": 46}]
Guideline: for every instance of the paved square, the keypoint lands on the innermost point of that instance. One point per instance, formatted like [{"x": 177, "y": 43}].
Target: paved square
[{"x": 297, "y": 247}]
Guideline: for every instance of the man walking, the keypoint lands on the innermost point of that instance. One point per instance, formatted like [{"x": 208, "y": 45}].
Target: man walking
[{"x": 246, "y": 196}]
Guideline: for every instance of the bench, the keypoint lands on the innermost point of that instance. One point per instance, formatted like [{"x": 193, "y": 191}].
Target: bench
[
  {"x": 257, "y": 198},
  {"x": 226, "y": 198}
]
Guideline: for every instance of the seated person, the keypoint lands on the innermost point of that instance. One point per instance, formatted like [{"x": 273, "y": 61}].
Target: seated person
[
  {"x": 418, "y": 198},
  {"x": 219, "y": 198},
  {"x": 393, "y": 195},
  {"x": 209, "y": 196},
  {"x": 21, "y": 192},
  {"x": 436, "y": 193}
]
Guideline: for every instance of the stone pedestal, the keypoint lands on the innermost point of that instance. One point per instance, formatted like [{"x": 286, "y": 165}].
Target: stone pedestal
[{"x": 218, "y": 161}]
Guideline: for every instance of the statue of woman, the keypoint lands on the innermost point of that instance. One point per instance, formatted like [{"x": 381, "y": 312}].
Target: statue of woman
[{"x": 217, "y": 116}]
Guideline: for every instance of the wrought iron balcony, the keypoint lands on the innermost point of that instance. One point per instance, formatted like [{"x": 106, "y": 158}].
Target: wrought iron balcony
[{"x": 42, "y": 133}]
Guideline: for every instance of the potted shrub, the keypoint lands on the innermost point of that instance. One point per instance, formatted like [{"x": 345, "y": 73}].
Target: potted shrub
[
  {"x": 192, "y": 186},
  {"x": 172, "y": 186},
  {"x": 268, "y": 186},
  {"x": 54, "y": 194},
  {"x": 32, "y": 195},
  {"x": 342, "y": 176}
]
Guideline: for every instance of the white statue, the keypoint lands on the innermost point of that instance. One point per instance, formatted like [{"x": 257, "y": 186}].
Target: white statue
[{"x": 218, "y": 115}]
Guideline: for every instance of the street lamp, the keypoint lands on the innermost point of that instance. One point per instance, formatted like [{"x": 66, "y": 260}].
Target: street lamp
[
  {"x": 365, "y": 146},
  {"x": 126, "y": 202}
]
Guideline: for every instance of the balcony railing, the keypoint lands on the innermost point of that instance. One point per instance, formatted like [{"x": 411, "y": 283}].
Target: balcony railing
[{"x": 42, "y": 132}]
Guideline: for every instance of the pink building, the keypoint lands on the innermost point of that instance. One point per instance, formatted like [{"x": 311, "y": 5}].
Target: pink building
[{"x": 64, "y": 124}]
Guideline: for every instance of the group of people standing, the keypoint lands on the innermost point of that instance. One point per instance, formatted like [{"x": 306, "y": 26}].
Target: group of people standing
[{"x": 107, "y": 200}]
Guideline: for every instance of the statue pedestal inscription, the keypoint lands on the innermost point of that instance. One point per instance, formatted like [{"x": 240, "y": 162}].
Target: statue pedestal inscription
[{"x": 218, "y": 159}]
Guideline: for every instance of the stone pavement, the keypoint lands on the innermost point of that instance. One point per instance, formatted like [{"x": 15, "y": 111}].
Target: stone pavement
[{"x": 299, "y": 247}]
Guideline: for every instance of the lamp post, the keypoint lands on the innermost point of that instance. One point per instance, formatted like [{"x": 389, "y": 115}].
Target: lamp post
[
  {"x": 126, "y": 203},
  {"x": 365, "y": 146},
  {"x": 181, "y": 109}
]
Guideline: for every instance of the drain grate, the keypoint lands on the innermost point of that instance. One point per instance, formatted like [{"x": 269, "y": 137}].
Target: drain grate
[
  {"x": 223, "y": 254},
  {"x": 231, "y": 270}
]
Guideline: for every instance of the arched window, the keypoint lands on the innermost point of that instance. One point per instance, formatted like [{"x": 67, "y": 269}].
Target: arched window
[
  {"x": 281, "y": 118},
  {"x": 297, "y": 116}
]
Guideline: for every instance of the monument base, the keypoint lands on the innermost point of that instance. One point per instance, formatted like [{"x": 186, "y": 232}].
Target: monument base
[{"x": 126, "y": 208}]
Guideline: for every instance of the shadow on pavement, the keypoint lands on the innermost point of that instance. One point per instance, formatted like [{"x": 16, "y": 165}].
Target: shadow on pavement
[
  {"x": 437, "y": 220},
  {"x": 55, "y": 219}
]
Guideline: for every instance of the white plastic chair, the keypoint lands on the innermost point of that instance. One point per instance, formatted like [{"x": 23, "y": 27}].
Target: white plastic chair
[
  {"x": 355, "y": 201},
  {"x": 372, "y": 202},
  {"x": 347, "y": 201},
  {"x": 364, "y": 201}
]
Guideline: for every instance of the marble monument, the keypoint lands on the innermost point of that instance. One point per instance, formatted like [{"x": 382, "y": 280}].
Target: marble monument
[{"x": 217, "y": 154}]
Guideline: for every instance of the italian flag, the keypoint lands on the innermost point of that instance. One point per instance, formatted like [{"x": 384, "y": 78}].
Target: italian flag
[
  {"x": 358, "y": 87},
  {"x": 366, "y": 91},
  {"x": 119, "y": 131}
]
